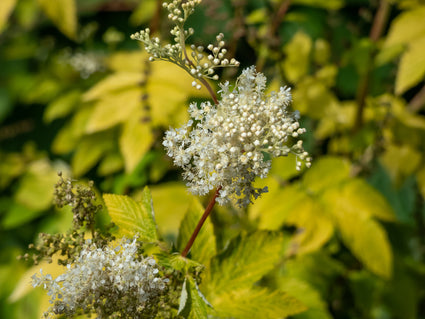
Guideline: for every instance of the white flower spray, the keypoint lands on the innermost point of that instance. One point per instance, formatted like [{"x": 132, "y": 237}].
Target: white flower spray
[
  {"x": 228, "y": 145},
  {"x": 106, "y": 281}
]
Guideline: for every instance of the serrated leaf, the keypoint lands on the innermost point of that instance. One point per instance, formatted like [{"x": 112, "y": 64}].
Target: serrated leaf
[
  {"x": 62, "y": 106},
  {"x": 6, "y": 8},
  {"x": 63, "y": 13},
  {"x": 132, "y": 217},
  {"x": 326, "y": 172},
  {"x": 135, "y": 140},
  {"x": 199, "y": 305},
  {"x": 405, "y": 27},
  {"x": 204, "y": 247},
  {"x": 113, "y": 83},
  {"x": 246, "y": 260},
  {"x": 411, "y": 70},
  {"x": 366, "y": 238},
  {"x": 256, "y": 303},
  {"x": 316, "y": 306},
  {"x": 185, "y": 301},
  {"x": 89, "y": 151},
  {"x": 113, "y": 109}
]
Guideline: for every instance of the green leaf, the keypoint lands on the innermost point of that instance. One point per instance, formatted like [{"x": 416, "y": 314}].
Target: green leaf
[
  {"x": 63, "y": 13},
  {"x": 246, "y": 260},
  {"x": 135, "y": 140},
  {"x": 256, "y": 303},
  {"x": 405, "y": 27},
  {"x": 366, "y": 238},
  {"x": 18, "y": 214},
  {"x": 113, "y": 109},
  {"x": 411, "y": 70},
  {"x": 204, "y": 247},
  {"x": 62, "y": 106},
  {"x": 131, "y": 217},
  {"x": 326, "y": 172},
  {"x": 6, "y": 8},
  {"x": 89, "y": 151},
  {"x": 317, "y": 308}
]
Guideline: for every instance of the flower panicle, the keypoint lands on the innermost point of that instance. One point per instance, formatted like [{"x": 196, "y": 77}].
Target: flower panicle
[
  {"x": 202, "y": 62},
  {"x": 232, "y": 143}
]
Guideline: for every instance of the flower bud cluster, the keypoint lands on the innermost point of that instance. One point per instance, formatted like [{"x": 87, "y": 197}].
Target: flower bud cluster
[
  {"x": 205, "y": 65},
  {"x": 198, "y": 63},
  {"x": 106, "y": 281},
  {"x": 226, "y": 145}
]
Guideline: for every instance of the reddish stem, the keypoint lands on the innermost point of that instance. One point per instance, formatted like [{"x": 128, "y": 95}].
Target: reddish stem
[{"x": 200, "y": 223}]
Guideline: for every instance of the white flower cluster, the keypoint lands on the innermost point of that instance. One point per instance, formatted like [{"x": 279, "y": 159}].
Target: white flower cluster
[
  {"x": 227, "y": 146},
  {"x": 106, "y": 281}
]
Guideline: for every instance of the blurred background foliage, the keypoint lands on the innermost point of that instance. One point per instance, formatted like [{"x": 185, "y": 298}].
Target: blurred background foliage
[{"x": 77, "y": 95}]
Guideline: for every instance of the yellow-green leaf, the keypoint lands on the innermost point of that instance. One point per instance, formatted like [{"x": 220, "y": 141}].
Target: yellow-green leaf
[
  {"x": 171, "y": 202},
  {"x": 133, "y": 218},
  {"x": 135, "y": 140},
  {"x": 143, "y": 13},
  {"x": 246, "y": 260},
  {"x": 365, "y": 237},
  {"x": 63, "y": 13},
  {"x": 411, "y": 70},
  {"x": 366, "y": 200},
  {"x": 35, "y": 190},
  {"x": 275, "y": 207},
  {"x": 62, "y": 106},
  {"x": 204, "y": 247},
  {"x": 256, "y": 303},
  {"x": 406, "y": 27},
  {"x": 68, "y": 137},
  {"x": 6, "y": 8},
  {"x": 89, "y": 151},
  {"x": 297, "y": 61},
  {"x": 113, "y": 83},
  {"x": 326, "y": 172},
  {"x": 400, "y": 161},
  {"x": 114, "y": 108},
  {"x": 315, "y": 228}
]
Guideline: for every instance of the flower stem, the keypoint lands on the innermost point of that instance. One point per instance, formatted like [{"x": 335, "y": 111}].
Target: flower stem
[{"x": 200, "y": 223}]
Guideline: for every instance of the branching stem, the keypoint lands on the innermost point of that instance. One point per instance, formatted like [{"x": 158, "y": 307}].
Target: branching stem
[{"x": 200, "y": 223}]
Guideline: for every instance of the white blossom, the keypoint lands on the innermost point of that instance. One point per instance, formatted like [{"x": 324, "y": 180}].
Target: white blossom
[
  {"x": 230, "y": 144},
  {"x": 106, "y": 281}
]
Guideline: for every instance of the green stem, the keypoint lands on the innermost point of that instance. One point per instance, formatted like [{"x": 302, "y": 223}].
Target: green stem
[{"x": 200, "y": 223}]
